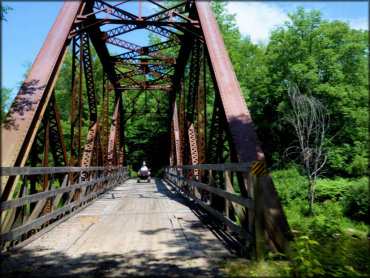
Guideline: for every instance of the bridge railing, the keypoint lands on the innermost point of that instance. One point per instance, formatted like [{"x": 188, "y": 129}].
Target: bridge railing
[
  {"x": 66, "y": 191},
  {"x": 253, "y": 232}
]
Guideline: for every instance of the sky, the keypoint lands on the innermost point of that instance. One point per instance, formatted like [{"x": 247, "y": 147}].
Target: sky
[{"x": 29, "y": 22}]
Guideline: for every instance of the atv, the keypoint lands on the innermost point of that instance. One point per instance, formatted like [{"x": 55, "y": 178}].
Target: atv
[{"x": 143, "y": 175}]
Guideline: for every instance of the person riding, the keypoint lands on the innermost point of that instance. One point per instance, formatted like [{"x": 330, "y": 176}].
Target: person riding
[
  {"x": 144, "y": 167},
  {"x": 144, "y": 173}
]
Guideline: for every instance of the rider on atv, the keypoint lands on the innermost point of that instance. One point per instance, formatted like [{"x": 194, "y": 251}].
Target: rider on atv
[{"x": 144, "y": 173}]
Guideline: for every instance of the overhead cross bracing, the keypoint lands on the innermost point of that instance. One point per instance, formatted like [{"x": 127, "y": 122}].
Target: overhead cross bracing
[{"x": 183, "y": 74}]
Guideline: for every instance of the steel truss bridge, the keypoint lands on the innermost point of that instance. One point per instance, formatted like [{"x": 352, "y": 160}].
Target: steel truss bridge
[{"x": 185, "y": 74}]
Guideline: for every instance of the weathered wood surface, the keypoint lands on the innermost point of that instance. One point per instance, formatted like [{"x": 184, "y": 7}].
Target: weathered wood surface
[
  {"x": 246, "y": 202},
  {"x": 14, "y": 171},
  {"x": 239, "y": 167},
  {"x": 136, "y": 229}
]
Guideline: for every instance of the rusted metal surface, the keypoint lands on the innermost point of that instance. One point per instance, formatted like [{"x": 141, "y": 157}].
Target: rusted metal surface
[
  {"x": 112, "y": 146},
  {"x": 239, "y": 120},
  {"x": 176, "y": 133},
  {"x": 202, "y": 113},
  {"x": 20, "y": 126},
  {"x": 57, "y": 144},
  {"x": 76, "y": 103},
  {"x": 193, "y": 148},
  {"x": 237, "y": 114},
  {"x": 173, "y": 148},
  {"x": 105, "y": 119}
]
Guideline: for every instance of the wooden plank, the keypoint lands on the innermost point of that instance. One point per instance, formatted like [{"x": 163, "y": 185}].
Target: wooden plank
[
  {"x": 246, "y": 202},
  {"x": 14, "y": 171},
  {"x": 238, "y": 167},
  {"x": 8, "y": 221},
  {"x": 42, "y": 195},
  {"x": 233, "y": 226}
]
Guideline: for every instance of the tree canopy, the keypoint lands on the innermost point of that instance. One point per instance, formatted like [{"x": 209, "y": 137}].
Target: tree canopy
[{"x": 327, "y": 60}]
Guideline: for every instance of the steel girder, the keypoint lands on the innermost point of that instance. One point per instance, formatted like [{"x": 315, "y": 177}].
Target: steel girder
[
  {"x": 244, "y": 137},
  {"x": 21, "y": 124}
]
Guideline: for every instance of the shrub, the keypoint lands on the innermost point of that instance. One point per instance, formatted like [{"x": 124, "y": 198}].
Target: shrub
[
  {"x": 290, "y": 185},
  {"x": 322, "y": 254},
  {"x": 331, "y": 189},
  {"x": 356, "y": 201},
  {"x": 133, "y": 174}
]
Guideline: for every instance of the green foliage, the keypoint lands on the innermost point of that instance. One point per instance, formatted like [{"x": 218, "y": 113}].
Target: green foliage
[
  {"x": 356, "y": 201},
  {"x": 290, "y": 185},
  {"x": 146, "y": 137},
  {"x": 332, "y": 242},
  {"x": 5, "y": 101},
  {"x": 242, "y": 267},
  {"x": 133, "y": 174},
  {"x": 307, "y": 265},
  {"x": 331, "y": 189},
  {"x": 4, "y": 9},
  {"x": 327, "y": 59},
  {"x": 334, "y": 255}
]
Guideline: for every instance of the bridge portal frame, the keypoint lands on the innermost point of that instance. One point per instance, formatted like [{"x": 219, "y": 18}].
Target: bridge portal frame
[{"x": 198, "y": 37}]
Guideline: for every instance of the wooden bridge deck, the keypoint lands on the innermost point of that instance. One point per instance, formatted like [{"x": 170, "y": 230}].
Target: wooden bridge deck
[{"x": 136, "y": 229}]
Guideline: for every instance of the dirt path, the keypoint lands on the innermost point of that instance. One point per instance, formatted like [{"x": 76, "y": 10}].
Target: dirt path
[{"x": 140, "y": 229}]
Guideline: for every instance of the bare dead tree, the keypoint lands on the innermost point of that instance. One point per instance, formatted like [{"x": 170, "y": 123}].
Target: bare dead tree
[{"x": 310, "y": 121}]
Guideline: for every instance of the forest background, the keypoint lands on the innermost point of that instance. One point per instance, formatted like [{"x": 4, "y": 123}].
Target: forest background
[{"x": 324, "y": 60}]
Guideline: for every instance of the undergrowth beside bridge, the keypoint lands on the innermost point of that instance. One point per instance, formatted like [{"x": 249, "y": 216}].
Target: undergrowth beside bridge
[{"x": 334, "y": 242}]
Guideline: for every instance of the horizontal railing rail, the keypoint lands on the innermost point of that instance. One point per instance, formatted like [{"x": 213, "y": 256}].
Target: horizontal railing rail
[
  {"x": 27, "y": 216},
  {"x": 16, "y": 171},
  {"x": 176, "y": 176},
  {"x": 237, "y": 167},
  {"x": 246, "y": 202}
]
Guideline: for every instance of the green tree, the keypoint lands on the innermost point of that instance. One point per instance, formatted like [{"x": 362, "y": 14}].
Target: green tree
[
  {"x": 327, "y": 60},
  {"x": 5, "y": 94},
  {"x": 5, "y": 101},
  {"x": 4, "y": 10}
]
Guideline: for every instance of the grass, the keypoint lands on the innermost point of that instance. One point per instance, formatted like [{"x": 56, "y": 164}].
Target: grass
[{"x": 242, "y": 267}]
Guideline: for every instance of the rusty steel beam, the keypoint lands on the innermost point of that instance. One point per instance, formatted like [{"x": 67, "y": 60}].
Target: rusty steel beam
[
  {"x": 193, "y": 147},
  {"x": 140, "y": 87},
  {"x": 176, "y": 133},
  {"x": 89, "y": 145},
  {"x": 182, "y": 117},
  {"x": 105, "y": 119},
  {"x": 137, "y": 50},
  {"x": 89, "y": 78},
  {"x": 57, "y": 144},
  {"x": 237, "y": 114},
  {"x": 169, "y": 13},
  {"x": 202, "y": 114},
  {"x": 193, "y": 81},
  {"x": 116, "y": 60},
  {"x": 113, "y": 134},
  {"x": 76, "y": 103},
  {"x": 153, "y": 26},
  {"x": 244, "y": 137},
  {"x": 20, "y": 125},
  {"x": 172, "y": 147}
]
